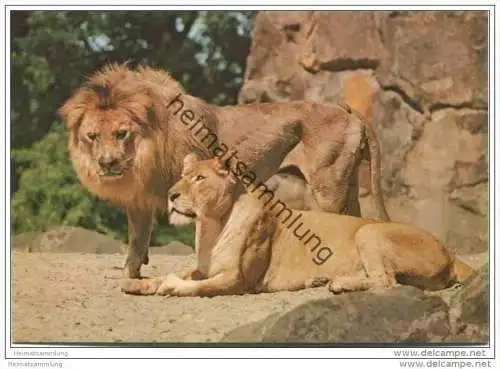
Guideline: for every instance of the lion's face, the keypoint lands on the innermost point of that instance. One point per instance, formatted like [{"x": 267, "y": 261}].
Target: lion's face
[
  {"x": 117, "y": 145},
  {"x": 204, "y": 191},
  {"x": 111, "y": 139}
]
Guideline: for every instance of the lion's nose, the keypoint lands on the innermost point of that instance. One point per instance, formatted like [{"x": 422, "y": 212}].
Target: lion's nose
[
  {"x": 174, "y": 196},
  {"x": 108, "y": 162}
]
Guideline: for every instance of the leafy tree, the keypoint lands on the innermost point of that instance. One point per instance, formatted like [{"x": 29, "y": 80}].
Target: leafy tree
[{"x": 53, "y": 52}]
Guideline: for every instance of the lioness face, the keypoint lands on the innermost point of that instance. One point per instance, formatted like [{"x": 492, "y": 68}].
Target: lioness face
[
  {"x": 112, "y": 140},
  {"x": 204, "y": 190}
]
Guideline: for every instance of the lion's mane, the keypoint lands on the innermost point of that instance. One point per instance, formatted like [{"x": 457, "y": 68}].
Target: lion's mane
[{"x": 144, "y": 95}]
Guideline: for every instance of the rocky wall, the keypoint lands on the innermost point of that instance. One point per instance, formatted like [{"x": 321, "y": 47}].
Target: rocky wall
[{"x": 429, "y": 71}]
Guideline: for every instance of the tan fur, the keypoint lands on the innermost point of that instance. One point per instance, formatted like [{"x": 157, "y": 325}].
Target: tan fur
[
  {"x": 142, "y": 102},
  {"x": 246, "y": 247},
  {"x": 358, "y": 94},
  {"x": 358, "y": 97},
  {"x": 293, "y": 190}
]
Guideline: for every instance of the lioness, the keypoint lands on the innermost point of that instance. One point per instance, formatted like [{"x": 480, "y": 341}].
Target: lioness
[
  {"x": 130, "y": 129},
  {"x": 248, "y": 245}
]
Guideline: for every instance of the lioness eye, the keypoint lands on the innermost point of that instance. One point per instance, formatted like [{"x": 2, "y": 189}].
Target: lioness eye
[
  {"x": 92, "y": 136},
  {"x": 200, "y": 177},
  {"x": 121, "y": 134}
]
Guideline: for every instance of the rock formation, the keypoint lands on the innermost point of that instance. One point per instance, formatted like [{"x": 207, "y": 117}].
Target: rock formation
[{"x": 430, "y": 73}]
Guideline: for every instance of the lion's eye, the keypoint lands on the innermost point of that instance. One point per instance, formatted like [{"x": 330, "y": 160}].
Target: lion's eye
[
  {"x": 121, "y": 134},
  {"x": 200, "y": 177},
  {"x": 92, "y": 136}
]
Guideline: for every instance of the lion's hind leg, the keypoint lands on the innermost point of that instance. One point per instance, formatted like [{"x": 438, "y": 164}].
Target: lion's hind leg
[
  {"x": 333, "y": 175},
  {"x": 378, "y": 272},
  {"x": 398, "y": 253}
]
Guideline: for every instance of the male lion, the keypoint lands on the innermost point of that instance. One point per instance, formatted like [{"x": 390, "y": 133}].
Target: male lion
[
  {"x": 290, "y": 185},
  {"x": 130, "y": 130},
  {"x": 247, "y": 246}
]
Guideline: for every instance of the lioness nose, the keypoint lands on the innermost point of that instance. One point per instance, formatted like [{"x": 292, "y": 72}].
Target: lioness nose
[
  {"x": 174, "y": 196},
  {"x": 107, "y": 162}
]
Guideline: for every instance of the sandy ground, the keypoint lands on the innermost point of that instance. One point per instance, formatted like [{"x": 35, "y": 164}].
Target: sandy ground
[{"x": 73, "y": 297}]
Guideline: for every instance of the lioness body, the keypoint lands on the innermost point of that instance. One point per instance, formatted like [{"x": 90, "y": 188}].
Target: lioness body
[
  {"x": 249, "y": 245},
  {"x": 130, "y": 130},
  {"x": 363, "y": 254}
]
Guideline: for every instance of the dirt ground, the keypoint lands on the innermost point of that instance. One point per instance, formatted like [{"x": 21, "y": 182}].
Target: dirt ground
[{"x": 74, "y": 297}]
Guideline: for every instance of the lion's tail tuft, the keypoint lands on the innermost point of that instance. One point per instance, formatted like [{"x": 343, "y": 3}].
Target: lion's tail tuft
[
  {"x": 358, "y": 93},
  {"x": 462, "y": 270}
]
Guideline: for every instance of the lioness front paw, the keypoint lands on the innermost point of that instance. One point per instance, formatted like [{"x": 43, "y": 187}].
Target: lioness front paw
[
  {"x": 349, "y": 284},
  {"x": 146, "y": 286},
  {"x": 342, "y": 284},
  {"x": 336, "y": 287},
  {"x": 174, "y": 286}
]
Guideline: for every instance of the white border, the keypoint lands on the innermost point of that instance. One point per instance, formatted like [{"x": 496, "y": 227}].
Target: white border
[
  {"x": 203, "y": 6},
  {"x": 203, "y": 352}
]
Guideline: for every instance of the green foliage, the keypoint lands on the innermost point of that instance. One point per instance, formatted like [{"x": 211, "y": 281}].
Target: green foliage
[{"x": 52, "y": 53}]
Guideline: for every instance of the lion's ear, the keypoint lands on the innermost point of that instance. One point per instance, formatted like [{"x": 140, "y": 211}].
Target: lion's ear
[
  {"x": 72, "y": 110},
  {"x": 154, "y": 113},
  {"x": 151, "y": 115},
  {"x": 189, "y": 160}
]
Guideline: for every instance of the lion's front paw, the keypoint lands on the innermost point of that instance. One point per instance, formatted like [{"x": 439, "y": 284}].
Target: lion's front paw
[
  {"x": 133, "y": 265},
  {"x": 145, "y": 286},
  {"x": 174, "y": 286}
]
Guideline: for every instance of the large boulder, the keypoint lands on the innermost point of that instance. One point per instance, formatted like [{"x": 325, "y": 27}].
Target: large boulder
[
  {"x": 68, "y": 239},
  {"x": 429, "y": 73},
  {"x": 459, "y": 314},
  {"x": 74, "y": 239},
  {"x": 403, "y": 314},
  {"x": 469, "y": 309}
]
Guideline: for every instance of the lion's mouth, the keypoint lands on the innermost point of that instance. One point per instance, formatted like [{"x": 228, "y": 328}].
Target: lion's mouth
[
  {"x": 112, "y": 173},
  {"x": 188, "y": 214}
]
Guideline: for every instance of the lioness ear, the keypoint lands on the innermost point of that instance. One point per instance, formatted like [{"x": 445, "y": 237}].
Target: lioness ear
[
  {"x": 224, "y": 169},
  {"x": 220, "y": 167},
  {"x": 189, "y": 160}
]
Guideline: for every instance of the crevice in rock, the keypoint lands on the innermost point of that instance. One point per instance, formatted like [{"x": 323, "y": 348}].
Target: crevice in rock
[
  {"x": 465, "y": 105},
  {"x": 380, "y": 33},
  {"x": 467, "y": 207},
  {"x": 472, "y": 183},
  {"x": 343, "y": 64},
  {"x": 404, "y": 96},
  {"x": 393, "y": 184},
  {"x": 398, "y": 14}
]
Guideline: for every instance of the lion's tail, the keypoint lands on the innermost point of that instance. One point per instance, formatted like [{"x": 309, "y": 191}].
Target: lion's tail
[
  {"x": 358, "y": 94},
  {"x": 461, "y": 270}
]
